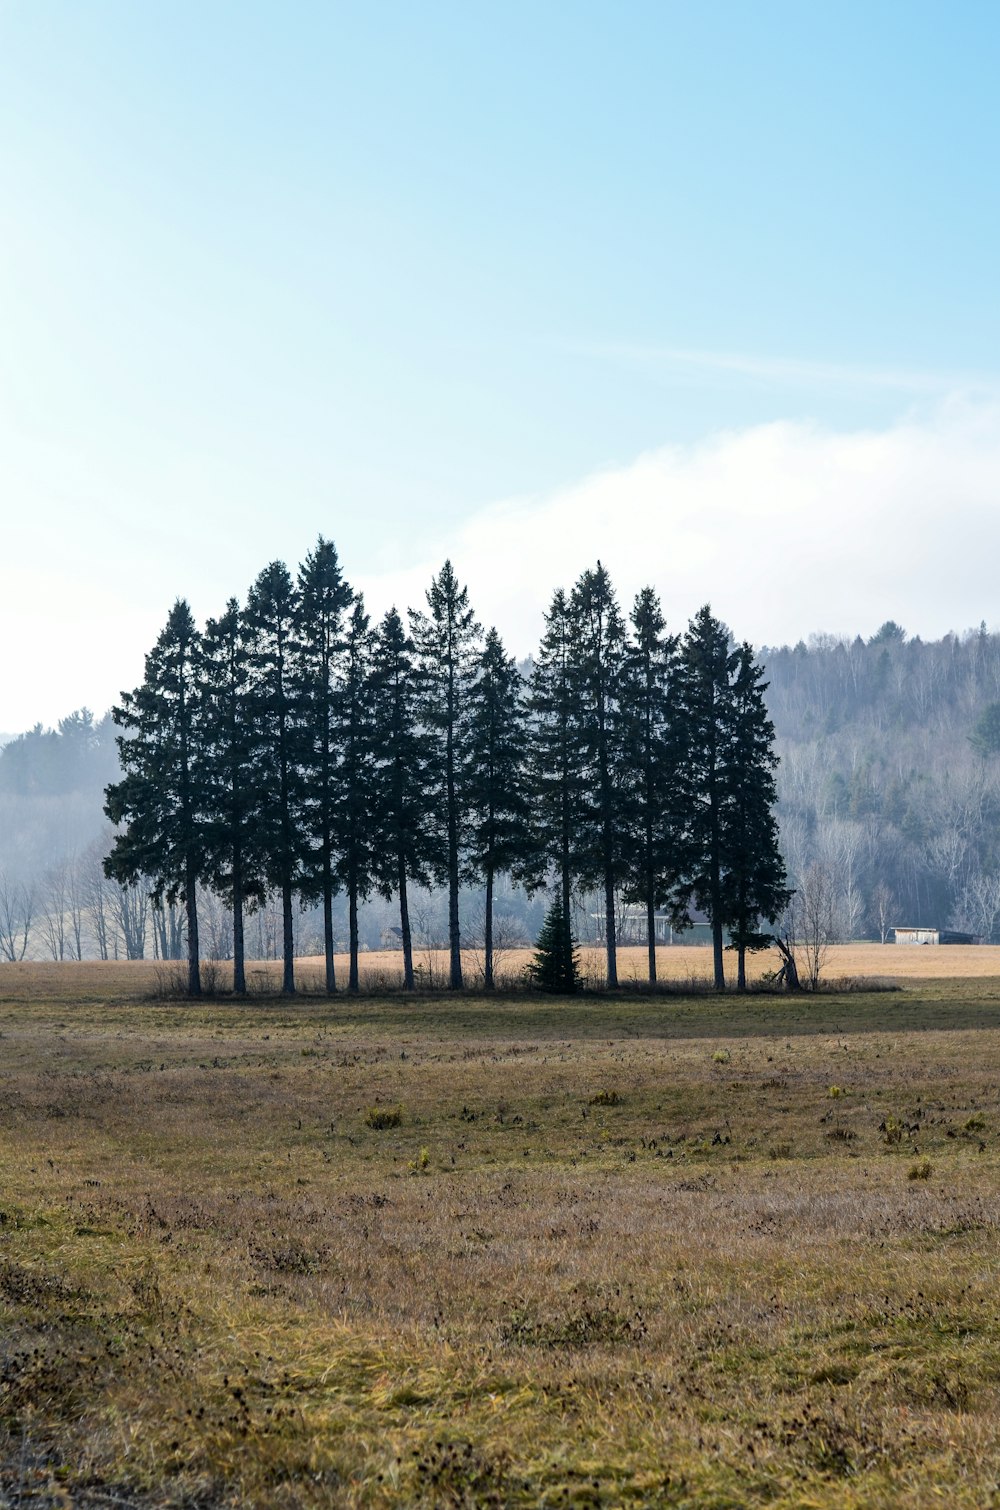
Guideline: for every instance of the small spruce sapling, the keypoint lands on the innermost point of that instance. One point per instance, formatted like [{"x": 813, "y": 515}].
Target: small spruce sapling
[{"x": 556, "y": 965}]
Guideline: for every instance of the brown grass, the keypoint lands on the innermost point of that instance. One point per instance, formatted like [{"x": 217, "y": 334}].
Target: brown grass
[
  {"x": 611, "y": 1252},
  {"x": 94, "y": 980}
]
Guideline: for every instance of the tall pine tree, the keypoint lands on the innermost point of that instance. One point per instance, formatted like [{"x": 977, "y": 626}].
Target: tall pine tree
[
  {"x": 407, "y": 849},
  {"x": 498, "y": 803},
  {"x": 653, "y": 759},
  {"x": 753, "y": 886},
  {"x": 599, "y": 657},
  {"x": 159, "y": 804},
  {"x": 355, "y": 826},
  {"x": 271, "y": 618},
  {"x": 555, "y": 777},
  {"x": 323, "y": 599},
  {"x": 233, "y": 850},
  {"x": 703, "y": 687},
  {"x": 446, "y": 640}
]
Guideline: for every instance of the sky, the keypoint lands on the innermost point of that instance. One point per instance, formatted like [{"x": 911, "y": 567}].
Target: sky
[{"x": 706, "y": 291}]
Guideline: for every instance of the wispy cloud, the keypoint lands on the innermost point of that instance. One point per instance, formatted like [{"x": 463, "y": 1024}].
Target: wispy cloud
[{"x": 792, "y": 372}]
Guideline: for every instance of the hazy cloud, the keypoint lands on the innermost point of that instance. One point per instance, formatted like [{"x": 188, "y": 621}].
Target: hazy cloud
[{"x": 786, "y": 529}]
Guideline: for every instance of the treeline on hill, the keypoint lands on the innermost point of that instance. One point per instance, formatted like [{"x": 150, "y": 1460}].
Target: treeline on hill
[
  {"x": 292, "y": 748},
  {"x": 889, "y": 784}
]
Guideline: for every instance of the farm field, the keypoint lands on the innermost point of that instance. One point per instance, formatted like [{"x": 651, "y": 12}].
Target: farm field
[
  {"x": 683, "y": 1251},
  {"x": 99, "y": 979}
]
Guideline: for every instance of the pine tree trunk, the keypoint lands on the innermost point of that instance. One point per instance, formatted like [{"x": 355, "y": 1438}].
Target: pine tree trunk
[
  {"x": 610, "y": 930},
  {"x": 741, "y": 968},
  {"x": 651, "y": 932},
  {"x": 288, "y": 980},
  {"x": 718, "y": 958},
  {"x": 567, "y": 930},
  {"x": 454, "y": 936},
  {"x": 488, "y": 939},
  {"x": 454, "y": 931},
  {"x": 194, "y": 963},
  {"x": 331, "y": 974},
  {"x": 715, "y": 898},
  {"x": 239, "y": 948},
  {"x": 404, "y": 928},
  {"x": 353, "y": 983}
]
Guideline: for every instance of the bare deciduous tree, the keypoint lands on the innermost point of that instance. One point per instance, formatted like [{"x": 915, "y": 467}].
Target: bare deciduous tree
[
  {"x": 55, "y": 889},
  {"x": 850, "y": 911},
  {"x": 808, "y": 928},
  {"x": 128, "y": 911},
  {"x": 17, "y": 909},
  {"x": 75, "y": 905},
  {"x": 977, "y": 909},
  {"x": 95, "y": 889},
  {"x": 507, "y": 934},
  {"x": 217, "y": 926},
  {"x": 883, "y": 907},
  {"x": 168, "y": 930},
  {"x": 817, "y": 922}
]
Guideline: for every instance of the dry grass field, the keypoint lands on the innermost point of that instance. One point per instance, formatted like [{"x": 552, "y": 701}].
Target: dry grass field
[
  {"x": 683, "y": 1251},
  {"x": 679, "y": 964}
]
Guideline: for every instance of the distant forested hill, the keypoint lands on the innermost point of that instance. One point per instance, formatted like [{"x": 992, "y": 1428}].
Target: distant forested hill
[
  {"x": 52, "y": 789},
  {"x": 890, "y": 775}
]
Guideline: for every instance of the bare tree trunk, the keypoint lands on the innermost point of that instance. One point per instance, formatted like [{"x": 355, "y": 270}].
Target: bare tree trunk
[
  {"x": 651, "y": 934},
  {"x": 567, "y": 929},
  {"x": 610, "y": 929},
  {"x": 191, "y": 900},
  {"x": 488, "y": 933},
  {"x": 288, "y": 940},
  {"x": 404, "y": 928},
  {"x": 239, "y": 948},
  {"x": 176, "y": 933},
  {"x": 454, "y": 933},
  {"x": 715, "y": 886},
  {"x": 353, "y": 983},
  {"x": 331, "y": 972},
  {"x": 76, "y": 906},
  {"x": 718, "y": 957}
]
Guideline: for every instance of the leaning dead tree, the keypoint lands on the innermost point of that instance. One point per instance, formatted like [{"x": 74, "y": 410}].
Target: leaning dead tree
[{"x": 788, "y": 973}]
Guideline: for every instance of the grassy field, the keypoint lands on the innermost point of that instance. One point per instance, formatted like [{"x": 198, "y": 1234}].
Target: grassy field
[
  {"x": 677, "y": 965},
  {"x": 688, "y": 1251}
]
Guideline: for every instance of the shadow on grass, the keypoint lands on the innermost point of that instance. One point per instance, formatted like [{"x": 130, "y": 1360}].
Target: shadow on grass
[{"x": 927, "y": 1007}]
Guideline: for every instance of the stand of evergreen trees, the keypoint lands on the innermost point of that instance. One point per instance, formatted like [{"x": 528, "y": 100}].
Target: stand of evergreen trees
[{"x": 294, "y": 749}]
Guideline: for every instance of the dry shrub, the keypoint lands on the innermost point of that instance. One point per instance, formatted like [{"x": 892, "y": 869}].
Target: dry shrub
[{"x": 382, "y": 1117}]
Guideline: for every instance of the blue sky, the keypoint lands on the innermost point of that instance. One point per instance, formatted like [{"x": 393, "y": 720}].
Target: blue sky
[{"x": 406, "y": 274}]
